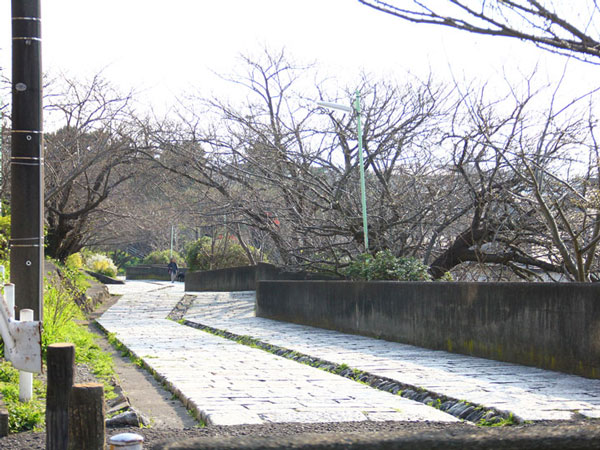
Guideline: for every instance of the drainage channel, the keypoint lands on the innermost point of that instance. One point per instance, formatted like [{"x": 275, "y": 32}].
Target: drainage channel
[{"x": 470, "y": 412}]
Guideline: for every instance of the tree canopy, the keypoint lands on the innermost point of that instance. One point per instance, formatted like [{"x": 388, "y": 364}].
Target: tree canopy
[{"x": 485, "y": 184}]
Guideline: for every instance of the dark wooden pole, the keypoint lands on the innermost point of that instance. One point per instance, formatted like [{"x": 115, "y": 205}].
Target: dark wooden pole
[
  {"x": 61, "y": 365},
  {"x": 3, "y": 421},
  {"x": 86, "y": 417},
  {"x": 27, "y": 157}
]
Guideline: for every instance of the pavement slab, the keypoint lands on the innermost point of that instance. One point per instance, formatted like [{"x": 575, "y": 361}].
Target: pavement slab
[
  {"x": 227, "y": 383},
  {"x": 527, "y": 392}
]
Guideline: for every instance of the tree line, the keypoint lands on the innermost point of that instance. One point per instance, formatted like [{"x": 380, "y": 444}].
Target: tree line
[{"x": 485, "y": 186}]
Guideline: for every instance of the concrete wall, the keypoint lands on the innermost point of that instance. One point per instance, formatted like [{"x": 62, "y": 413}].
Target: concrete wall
[
  {"x": 231, "y": 279},
  {"x": 549, "y": 325},
  {"x": 241, "y": 278},
  {"x": 150, "y": 272}
]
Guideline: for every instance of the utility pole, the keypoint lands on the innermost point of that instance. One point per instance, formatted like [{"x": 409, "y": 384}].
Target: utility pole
[{"x": 27, "y": 158}]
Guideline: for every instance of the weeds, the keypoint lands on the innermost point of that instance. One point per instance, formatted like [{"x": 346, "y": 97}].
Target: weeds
[
  {"x": 22, "y": 416},
  {"x": 124, "y": 351},
  {"x": 61, "y": 313},
  {"x": 340, "y": 368},
  {"x": 499, "y": 422}
]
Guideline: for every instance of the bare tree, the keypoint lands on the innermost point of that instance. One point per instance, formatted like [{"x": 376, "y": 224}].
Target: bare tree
[
  {"x": 139, "y": 213},
  {"x": 557, "y": 26},
  {"x": 531, "y": 175},
  {"x": 87, "y": 158},
  {"x": 280, "y": 167}
]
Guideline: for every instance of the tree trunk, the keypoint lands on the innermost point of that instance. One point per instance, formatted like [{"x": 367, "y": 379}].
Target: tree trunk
[{"x": 452, "y": 256}]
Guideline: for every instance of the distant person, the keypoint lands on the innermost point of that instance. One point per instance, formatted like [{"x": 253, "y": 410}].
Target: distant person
[{"x": 173, "y": 270}]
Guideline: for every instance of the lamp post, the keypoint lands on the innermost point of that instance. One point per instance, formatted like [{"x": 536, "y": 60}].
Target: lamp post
[
  {"x": 356, "y": 108},
  {"x": 172, "y": 234}
]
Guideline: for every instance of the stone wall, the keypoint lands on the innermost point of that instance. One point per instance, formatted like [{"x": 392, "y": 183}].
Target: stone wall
[
  {"x": 150, "y": 272},
  {"x": 549, "y": 325},
  {"x": 242, "y": 278}
]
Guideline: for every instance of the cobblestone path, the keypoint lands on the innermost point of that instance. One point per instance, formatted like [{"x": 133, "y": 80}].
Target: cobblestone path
[
  {"x": 226, "y": 383},
  {"x": 529, "y": 393}
]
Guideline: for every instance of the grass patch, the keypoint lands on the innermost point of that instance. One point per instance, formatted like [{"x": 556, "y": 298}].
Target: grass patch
[
  {"x": 499, "y": 422},
  {"x": 61, "y": 314},
  {"x": 124, "y": 351},
  {"x": 22, "y": 416}
]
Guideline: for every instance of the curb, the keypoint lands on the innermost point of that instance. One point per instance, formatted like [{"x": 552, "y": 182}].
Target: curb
[{"x": 569, "y": 438}]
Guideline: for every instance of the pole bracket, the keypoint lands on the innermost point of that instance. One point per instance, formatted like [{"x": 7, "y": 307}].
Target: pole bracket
[{"x": 22, "y": 340}]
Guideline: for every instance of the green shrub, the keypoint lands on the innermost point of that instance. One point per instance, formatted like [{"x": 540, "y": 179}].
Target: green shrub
[
  {"x": 122, "y": 260},
  {"x": 74, "y": 261},
  {"x": 446, "y": 277},
  {"x": 4, "y": 236},
  {"x": 73, "y": 279},
  {"x": 204, "y": 254},
  {"x": 385, "y": 266},
  {"x": 163, "y": 257}
]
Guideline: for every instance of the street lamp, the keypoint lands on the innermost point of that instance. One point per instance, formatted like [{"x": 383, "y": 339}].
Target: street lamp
[{"x": 348, "y": 109}]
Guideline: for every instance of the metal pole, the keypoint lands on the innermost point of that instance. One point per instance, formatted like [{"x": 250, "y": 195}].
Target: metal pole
[
  {"x": 363, "y": 190},
  {"x": 172, "y": 232},
  {"x": 27, "y": 180}
]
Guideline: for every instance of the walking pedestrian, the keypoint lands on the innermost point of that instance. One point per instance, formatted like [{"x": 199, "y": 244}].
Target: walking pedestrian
[{"x": 172, "y": 267}]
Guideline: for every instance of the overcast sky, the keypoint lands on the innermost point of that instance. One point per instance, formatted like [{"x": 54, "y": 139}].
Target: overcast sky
[{"x": 165, "y": 48}]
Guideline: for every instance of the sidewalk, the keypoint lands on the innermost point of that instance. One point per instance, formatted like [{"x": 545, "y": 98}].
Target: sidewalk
[
  {"x": 226, "y": 383},
  {"x": 529, "y": 393}
]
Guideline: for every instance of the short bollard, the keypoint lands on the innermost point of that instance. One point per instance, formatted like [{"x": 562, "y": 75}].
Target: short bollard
[
  {"x": 126, "y": 441},
  {"x": 25, "y": 378}
]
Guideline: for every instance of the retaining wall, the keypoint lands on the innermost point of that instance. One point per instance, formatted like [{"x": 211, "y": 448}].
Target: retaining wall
[
  {"x": 241, "y": 278},
  {"x": 550, "y": 325},
  {"x": 150, "y": 272},
  {"x": 231, "y": 279}
]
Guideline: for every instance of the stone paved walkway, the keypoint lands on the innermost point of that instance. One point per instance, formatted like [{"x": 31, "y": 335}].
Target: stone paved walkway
[
  {"x": 227, "y": 383},
  {"x": 529, "y": 393}
]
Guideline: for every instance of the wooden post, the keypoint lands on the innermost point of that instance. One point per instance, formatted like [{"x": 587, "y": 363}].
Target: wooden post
[
  {"x": 86, "y": 417},
  {"x": 3, "y": 420},
  {"x": 61, "y": 365}
]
